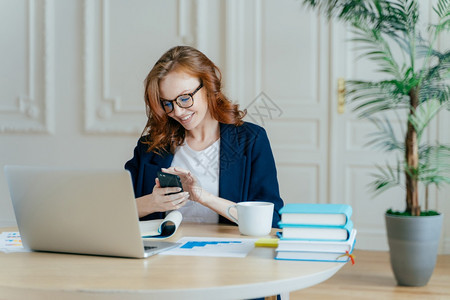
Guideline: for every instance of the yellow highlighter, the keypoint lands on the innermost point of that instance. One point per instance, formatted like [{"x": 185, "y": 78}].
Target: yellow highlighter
[{"x": 265, "y": 242}]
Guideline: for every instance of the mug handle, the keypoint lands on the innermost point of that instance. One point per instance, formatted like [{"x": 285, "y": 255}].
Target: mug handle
[{"x": 229, "y": 215}]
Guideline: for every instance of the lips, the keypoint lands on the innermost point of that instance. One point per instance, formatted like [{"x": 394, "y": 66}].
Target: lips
[{"x": 186, "y": 119}]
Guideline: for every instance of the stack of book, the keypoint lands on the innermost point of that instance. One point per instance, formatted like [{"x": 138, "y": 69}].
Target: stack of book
[{"x": 316, "y": 232}]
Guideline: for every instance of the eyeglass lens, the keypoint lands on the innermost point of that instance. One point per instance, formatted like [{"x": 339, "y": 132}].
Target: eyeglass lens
[{"x": 184, "y": 101}]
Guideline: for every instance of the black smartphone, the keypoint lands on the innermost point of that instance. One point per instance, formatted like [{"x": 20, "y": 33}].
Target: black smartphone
[{"x": 170, "y": 180}]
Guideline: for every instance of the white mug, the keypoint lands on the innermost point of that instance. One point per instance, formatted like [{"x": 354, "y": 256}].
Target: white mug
[{"x": 254, "y": 218}]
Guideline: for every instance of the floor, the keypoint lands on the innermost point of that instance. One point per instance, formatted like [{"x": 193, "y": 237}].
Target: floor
[{"x": 371, "y": 278}]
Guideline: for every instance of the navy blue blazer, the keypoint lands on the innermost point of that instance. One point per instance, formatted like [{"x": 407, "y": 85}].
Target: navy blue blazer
[{"x": 247, "y": 168}]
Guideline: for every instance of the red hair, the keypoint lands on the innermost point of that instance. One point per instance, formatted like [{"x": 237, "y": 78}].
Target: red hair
[{"x": 164, "y": 132}]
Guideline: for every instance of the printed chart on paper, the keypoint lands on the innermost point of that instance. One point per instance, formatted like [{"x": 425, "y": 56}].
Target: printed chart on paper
[{"x": 207, "y": 246}]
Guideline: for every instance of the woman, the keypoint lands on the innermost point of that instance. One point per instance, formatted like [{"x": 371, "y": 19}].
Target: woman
[{"x": 195, "y": 132}]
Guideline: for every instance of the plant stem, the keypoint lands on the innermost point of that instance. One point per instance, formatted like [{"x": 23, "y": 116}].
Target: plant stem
[{"x": 412, "y": 158}]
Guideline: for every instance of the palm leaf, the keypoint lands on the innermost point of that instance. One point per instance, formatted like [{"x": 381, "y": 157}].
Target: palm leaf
[
  {"x": 376, "y": 48},
  {"x": 442, "y": 9},
  {"x": 437, "y": 155},
  {"x": 434, "y": 164},
  {"x": 441, "y": 70},
  {"x": 385, "y": 138},
  {"x": 375, "y": 97},
  {"x": 435, "y": 83},
  {"x": 383, "y": 16},
  {"x": 423, "y": 115},
  {"x": 386, "y": 178}
]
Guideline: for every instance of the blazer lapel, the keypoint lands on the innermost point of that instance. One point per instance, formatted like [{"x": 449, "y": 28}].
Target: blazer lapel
[{"x": 232, "y": 164}]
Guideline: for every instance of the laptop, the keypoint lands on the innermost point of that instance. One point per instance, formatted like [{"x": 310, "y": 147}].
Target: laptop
[{"x": 78, "y": 211}]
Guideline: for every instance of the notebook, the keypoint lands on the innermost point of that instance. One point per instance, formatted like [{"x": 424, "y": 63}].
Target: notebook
[{"x": 78, "y": 211}]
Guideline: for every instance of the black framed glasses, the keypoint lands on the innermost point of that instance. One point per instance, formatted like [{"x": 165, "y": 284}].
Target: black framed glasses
[{"x": 183, "y": 101}]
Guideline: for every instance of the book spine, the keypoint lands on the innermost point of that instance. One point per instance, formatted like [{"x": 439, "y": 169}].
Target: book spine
[
  {"x": 317, "y": 229},
  {"x": 316, "y": 208},
  {"x": 284, "y": 225},
  {"x": 315, "y": 214},
  {"x": 318, "y": 260}
]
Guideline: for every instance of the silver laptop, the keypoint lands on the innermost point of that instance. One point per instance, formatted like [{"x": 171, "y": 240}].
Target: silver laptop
[{"x": 78, "y": 211}]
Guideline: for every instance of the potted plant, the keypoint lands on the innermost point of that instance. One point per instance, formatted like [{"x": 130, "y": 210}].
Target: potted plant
[{"x": 415, "y": 86}]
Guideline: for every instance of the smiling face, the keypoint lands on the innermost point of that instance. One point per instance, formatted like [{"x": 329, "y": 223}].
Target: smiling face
[{"x": 177, "y": 83}]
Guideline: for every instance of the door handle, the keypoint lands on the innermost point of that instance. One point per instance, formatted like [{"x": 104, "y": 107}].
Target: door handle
[{"x": 341, "y": 95}]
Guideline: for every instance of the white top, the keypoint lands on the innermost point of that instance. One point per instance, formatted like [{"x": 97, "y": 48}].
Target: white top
[{"x": 204, "y": 165}]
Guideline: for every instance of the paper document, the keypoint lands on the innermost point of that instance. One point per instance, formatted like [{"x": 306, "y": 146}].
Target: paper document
[
  {"x": 11, "y": 242},
  {"x": 209, "y": 246},
  {"x": 161, "y": 228}
]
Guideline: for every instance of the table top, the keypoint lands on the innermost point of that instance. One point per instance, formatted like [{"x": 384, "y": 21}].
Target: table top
[{"x": 44, "y": 275}]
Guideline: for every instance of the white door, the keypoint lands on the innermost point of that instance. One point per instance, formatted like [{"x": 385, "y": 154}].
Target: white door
[{"x": 277, "y": 68}]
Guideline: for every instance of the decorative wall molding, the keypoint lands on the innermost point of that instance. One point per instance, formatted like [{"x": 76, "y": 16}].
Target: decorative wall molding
[
  {"x": 186, "y": 24},
  {"x": 247, "y": 57},
  {"x": 306, "y": 138},
  {"x": 32, "y": 111},
  {"x": 258, "y": 52},
  {"x": 201, "y": 26},
  {"x": 260, "y": 58},
  {"x": 104, "y": 112},
  {"x": 235, "y": 66},
  {"x": 302, "y": 178}
]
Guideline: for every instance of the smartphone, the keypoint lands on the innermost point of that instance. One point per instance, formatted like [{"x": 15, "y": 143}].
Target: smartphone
[{"x": 170, "y": 180}]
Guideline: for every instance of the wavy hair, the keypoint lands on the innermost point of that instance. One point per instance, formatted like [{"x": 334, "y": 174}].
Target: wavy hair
[{"x": 164, "y": 133}]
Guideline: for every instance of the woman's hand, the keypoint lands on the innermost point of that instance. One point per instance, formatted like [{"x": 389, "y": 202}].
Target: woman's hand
[
  {"x": 189, "y": 182},
  {"x": 198, "y": 194},
  {"x": 160, "y": 201}
]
